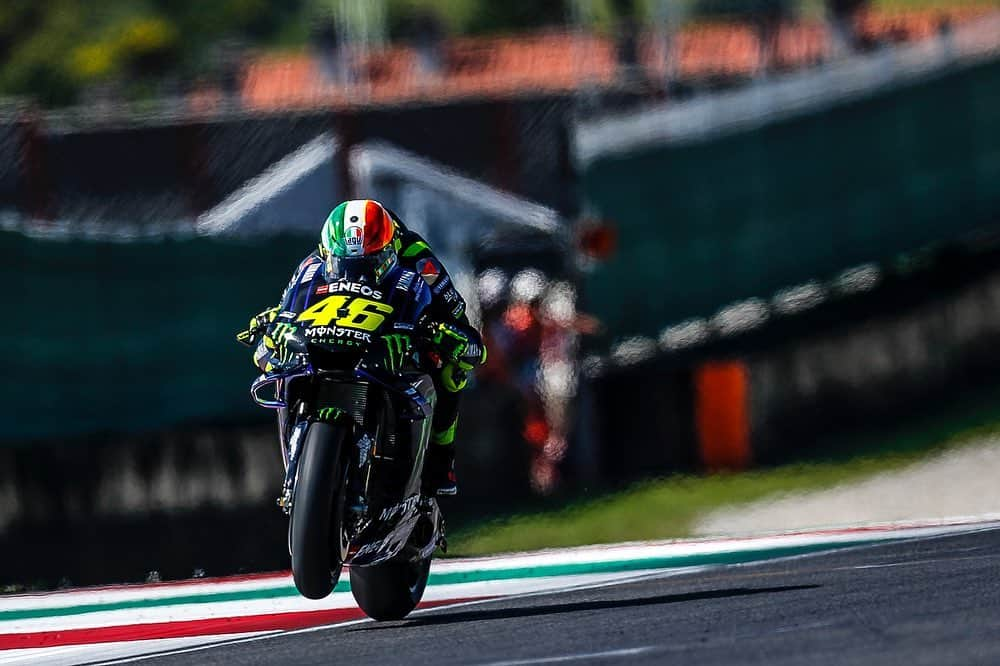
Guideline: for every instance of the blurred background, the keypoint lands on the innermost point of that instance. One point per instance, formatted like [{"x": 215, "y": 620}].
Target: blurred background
[{"x": 708, "y": 241}]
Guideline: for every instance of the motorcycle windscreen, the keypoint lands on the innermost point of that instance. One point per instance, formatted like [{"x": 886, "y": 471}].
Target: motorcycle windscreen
[{"x": 349, "y": 311}]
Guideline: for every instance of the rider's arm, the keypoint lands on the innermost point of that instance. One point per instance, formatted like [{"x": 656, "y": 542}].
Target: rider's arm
[
  {"x": 446, "y": 303},
  {"x": 458, "y": 337}
]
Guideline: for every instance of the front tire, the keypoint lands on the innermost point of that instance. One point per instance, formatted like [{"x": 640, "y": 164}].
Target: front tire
[
  {"x": 389, "y": 591},
  {"x": 316, "y": 534}
]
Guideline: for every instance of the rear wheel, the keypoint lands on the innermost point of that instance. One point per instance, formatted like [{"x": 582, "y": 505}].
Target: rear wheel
[
  {"x": 316, "y": 532},
  {"x": 389, "y": 591}
]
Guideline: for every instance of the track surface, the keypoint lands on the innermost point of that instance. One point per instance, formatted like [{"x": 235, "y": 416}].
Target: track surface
[{"x": 931, "y": 601}]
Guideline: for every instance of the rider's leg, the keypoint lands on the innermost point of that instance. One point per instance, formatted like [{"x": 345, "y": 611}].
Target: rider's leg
[
  {"x": 441, "y": 452},
  {"x": 449, "y": 382}
]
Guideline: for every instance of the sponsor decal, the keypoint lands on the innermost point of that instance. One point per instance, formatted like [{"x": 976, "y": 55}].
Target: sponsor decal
[
  {"x": 340, "y": 342},
  {"x": 353, "y": 236},
  {"x": 429, "y": 271},
  {"x": 288, "y": 315},
  {"x": 442, "y": 284},
  {"x": 329, "y": 413},
  {"x": 405, "y": 280},
  {"x": 370, "y": 548},
  {"x": 343, "y": 286},
  {"x": 458, "y": 310},
  {"x": 326, "y": 333},
  {"x": 401, "y": 509}
]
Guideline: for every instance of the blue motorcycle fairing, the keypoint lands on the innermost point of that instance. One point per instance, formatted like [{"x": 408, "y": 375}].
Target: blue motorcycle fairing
[{"x": 400, "y": 288}]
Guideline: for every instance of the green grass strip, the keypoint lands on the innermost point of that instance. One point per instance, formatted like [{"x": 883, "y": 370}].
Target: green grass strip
[
  {"x": 670, "y": 508},
  {"x": 451, "y": 578}
]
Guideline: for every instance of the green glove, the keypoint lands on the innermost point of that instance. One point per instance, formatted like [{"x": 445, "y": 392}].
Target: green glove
[
  {"x": 257, "y": 323},
  {"x": 450, "y": 341},
  {"x": 455, "y": 376}
]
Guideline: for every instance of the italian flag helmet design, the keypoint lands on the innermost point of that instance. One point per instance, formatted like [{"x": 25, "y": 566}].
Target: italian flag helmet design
[{"x": 357, "y": 228}]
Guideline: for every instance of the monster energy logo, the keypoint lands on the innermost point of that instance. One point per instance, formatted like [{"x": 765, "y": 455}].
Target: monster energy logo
[
  {"x": 398, "y": 346},
  {"x": 329, "y": 413},
  {"x": 282, "y": 332}
]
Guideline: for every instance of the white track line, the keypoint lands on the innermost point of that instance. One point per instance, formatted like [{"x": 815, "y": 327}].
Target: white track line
[{"x": 585, "y": 656}]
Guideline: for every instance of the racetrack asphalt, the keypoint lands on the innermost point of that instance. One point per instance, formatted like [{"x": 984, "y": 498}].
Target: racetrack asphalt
[{"x": 928, "y": 601}]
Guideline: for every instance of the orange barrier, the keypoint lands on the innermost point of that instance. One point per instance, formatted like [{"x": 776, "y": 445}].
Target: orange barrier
[
  {"x": 722, "y": 415},
  {"x": 560, "y": 60}
]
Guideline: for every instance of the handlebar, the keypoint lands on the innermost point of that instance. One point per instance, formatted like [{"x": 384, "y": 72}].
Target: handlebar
[{"x": 421, "y": 408}]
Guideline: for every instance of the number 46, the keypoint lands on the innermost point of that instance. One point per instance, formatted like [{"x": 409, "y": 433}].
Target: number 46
[{"x": 348, "y": 312}]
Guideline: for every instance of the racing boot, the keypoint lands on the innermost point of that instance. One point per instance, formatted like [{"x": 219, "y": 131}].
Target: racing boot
[{"x": 439, "y": 469}]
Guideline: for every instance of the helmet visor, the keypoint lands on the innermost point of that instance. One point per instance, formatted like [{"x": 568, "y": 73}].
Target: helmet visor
[{"x": 366, "y": 269}]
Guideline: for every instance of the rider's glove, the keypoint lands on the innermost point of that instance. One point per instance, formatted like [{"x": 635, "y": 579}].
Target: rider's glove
[
  {"x": 398, "y": 347},
  {"x": 454, "y": 345},
  {"x": 459, "y": 355},
  {"x": 450, "y": 341},
  {"x": 258, "y": 323},
  {"x": 276, "y": 341}
]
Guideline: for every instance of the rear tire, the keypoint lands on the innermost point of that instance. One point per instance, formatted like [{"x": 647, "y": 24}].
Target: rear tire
[
  {"x": 391, "y": 590},
  {"x": 316, "y": 532}
]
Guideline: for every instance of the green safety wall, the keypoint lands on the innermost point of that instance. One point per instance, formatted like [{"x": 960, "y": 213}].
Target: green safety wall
[
  {"x": 701, "y": 226},
  {"x": 103, "y": 336}
]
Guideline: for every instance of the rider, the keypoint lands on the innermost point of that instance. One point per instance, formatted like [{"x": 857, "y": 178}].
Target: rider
[{"x": 365, "y": 231}]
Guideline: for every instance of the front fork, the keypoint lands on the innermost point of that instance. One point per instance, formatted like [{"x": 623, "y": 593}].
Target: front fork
[
  {"x": 360, "y": 451},
  {"x": 291, "y": 437}
]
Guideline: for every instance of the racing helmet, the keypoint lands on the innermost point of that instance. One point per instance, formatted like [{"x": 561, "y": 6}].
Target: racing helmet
[{"x": 357, "y": 241}]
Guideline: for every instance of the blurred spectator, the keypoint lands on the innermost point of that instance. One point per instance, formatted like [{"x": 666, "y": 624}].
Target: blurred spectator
[
  {"x": 532, "y": 329},
  {"x": 628, "y": 51},
  {"x": 228, "y": 56},
  {"x": 425, "y": 30},
  {"x": 841, "y": 16},
  {"x": 766, "y": 17},
  {"x": 325, "y": 44}
]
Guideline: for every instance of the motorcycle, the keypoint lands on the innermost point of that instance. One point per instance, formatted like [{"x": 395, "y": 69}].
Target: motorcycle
[{"x": 354, "y": 426}]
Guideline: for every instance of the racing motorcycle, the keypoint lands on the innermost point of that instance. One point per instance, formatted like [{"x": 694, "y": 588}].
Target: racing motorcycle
[{"x": 354, "y": 413}]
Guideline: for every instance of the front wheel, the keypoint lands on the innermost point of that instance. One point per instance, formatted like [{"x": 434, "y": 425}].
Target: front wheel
[
  {"x": 389, "y": 591},
  {"x": 316, "y": 532}
]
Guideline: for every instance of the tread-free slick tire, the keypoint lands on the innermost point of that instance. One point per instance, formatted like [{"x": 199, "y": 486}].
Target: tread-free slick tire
[
  {"x": 317, "y": 512},
  {"x": 391, "y": 590}
]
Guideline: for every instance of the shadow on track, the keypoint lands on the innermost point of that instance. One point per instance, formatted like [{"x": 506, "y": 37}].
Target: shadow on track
[{"x": 507, "y": 613}]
